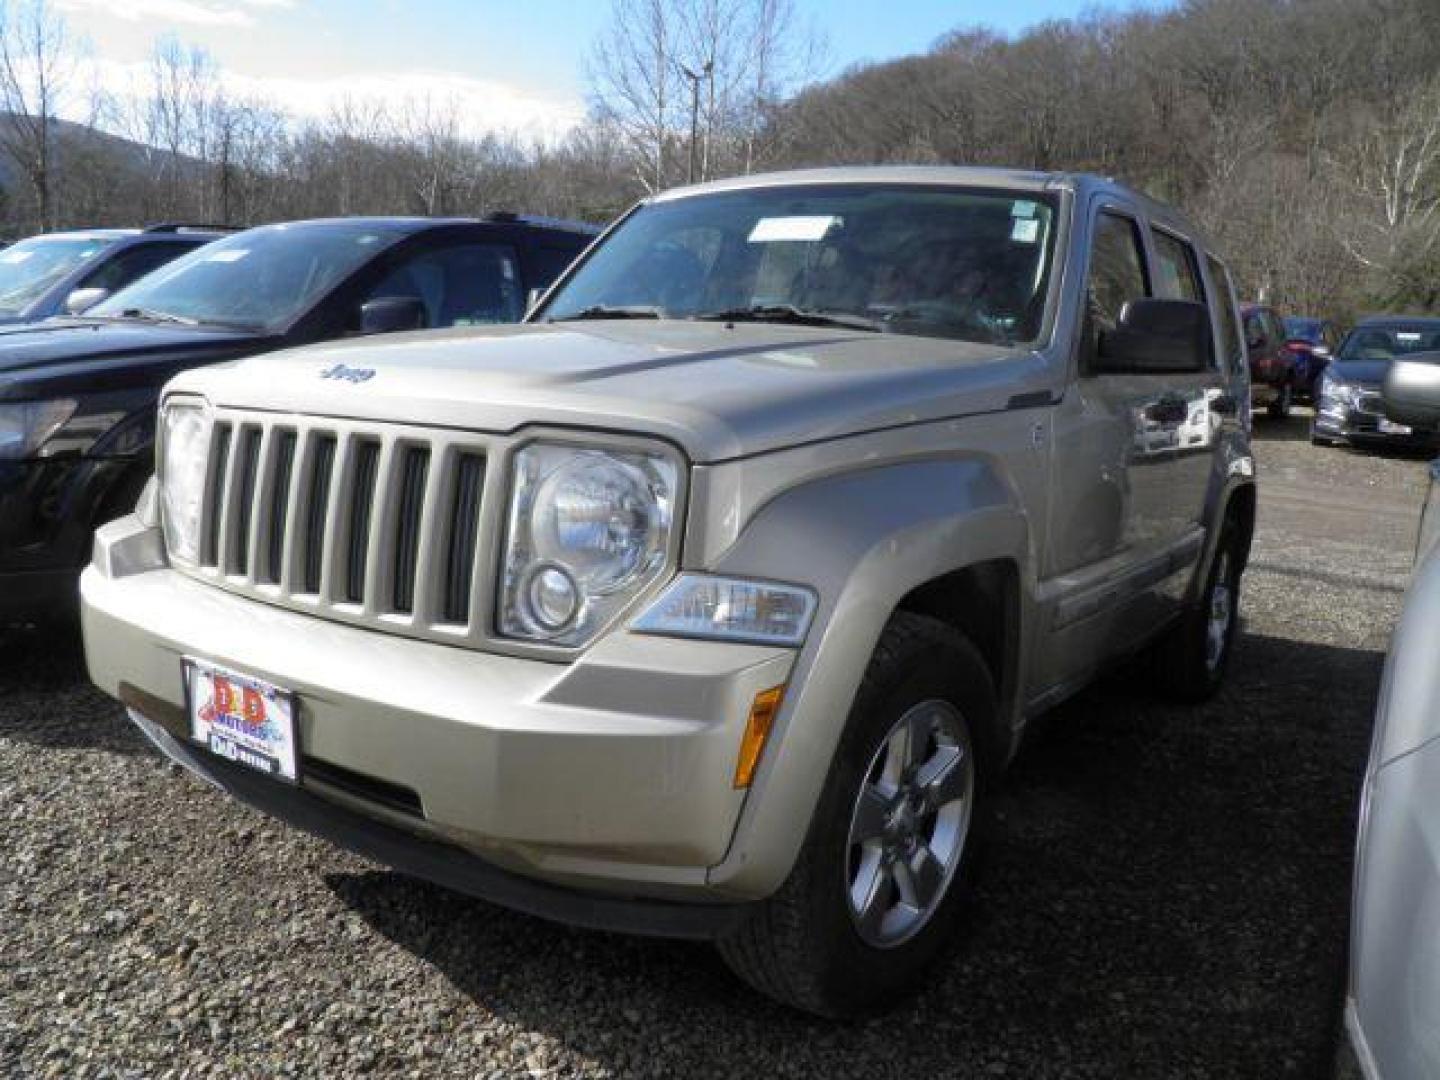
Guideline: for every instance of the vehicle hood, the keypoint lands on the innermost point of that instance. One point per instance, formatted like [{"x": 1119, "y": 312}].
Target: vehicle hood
[
  {"x": 720, "y": 391},
  {"x": 1359, "y": 372},
  {"x": 72, "y": 348}
]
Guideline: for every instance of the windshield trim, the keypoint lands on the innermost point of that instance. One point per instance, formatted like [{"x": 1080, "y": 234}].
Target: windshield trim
[{"x": 1058, "y": 199}]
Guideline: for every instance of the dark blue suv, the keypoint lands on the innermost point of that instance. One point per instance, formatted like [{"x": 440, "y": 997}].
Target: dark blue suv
[
  {"x": 78, "y": 395},
  {"x": 38, "y": 275}
]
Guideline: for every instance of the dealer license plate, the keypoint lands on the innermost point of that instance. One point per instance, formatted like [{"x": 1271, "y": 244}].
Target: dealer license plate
[
  {"x": 1389, "y": 427},
  {"x": 242, "y": 719}
]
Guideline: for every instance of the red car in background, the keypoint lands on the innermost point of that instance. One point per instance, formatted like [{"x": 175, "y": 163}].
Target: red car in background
[
  {"x": 1273, "y": 370},
  {"x": 1314, "y": 342}
]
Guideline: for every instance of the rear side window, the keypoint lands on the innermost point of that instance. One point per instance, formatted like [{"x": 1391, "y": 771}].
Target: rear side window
[
  {"x": 1177, "y": 277},
  {"x": 1117, "y": 275},
  {"x": 462, "y": 285},
  {"x": 549, "y": 263},
  {"x": 1222, "y": 307},
  {"x": 133, "y": 264}
]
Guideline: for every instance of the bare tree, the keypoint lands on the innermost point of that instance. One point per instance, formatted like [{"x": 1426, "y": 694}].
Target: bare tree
[
  {"x": 633, "y": 73},
  {"x": 37, "y": 61}
]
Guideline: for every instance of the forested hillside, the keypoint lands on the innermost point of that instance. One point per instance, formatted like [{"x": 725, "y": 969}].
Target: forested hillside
[{"x": 1305, "y": 134}]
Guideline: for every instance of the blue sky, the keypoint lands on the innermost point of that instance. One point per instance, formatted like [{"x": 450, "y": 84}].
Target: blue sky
[{"x": 510, "y": 63}]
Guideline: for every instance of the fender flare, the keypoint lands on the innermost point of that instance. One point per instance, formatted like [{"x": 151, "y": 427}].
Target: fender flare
[{"x": 862, "y": 540}]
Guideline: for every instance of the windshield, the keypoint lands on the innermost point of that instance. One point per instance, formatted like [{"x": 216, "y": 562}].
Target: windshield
[
  {"x": 941, "y": 262},
  {"x": 1389, "y": 342},
  {"x": 1303, "y": 330},
  {"x": 261, "y": 279},
  {"x": 30, "y": 268}
]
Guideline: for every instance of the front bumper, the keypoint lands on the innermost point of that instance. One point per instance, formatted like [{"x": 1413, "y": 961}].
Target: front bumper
[
  {"x": 612, "y": 775},
  {"x": 444, "y": 864},
  {"x": 1345, "y": 424}
]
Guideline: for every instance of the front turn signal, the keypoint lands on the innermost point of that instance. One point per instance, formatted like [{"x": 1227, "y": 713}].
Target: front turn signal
[{"x": 757, "y": 730}]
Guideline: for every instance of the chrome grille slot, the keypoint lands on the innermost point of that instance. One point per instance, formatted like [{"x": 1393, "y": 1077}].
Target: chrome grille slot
[
  {"x": 279, "y": 501},
  {"x": 362, "y": 508},
  {"x": 215, "y": 496},
  {"x": 415, "y": 464},
  {"x": 244, "y": 502},
  {"x": 317, "y": 500},
  {"x": 372, "y": 524},
  {"x": 463, "y": 536}
]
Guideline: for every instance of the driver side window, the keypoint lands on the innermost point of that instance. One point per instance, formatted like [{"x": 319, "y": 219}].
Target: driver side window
[
  {"x": 1117, "y": 276},
  {"x": 464, "y": 285}
]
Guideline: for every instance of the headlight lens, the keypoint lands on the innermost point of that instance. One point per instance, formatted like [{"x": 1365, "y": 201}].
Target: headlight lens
[
  {"x": 26, "y": 426},
  {"x": 185, "y": 451},
  {"x": 588, "y": 530},
  {"x": 730, "y": 609},
  {"x": 1337, "y": 391}
]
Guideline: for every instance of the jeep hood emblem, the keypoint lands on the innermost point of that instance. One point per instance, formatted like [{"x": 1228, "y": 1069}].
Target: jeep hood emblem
[{"x": 348, "y": 374}]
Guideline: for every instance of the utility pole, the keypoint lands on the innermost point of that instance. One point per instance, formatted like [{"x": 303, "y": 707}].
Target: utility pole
[{"x": 695, "y": 77}]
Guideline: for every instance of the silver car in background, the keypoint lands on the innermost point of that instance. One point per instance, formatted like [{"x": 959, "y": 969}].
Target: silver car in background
[{"x": 1393, "y": 1007}]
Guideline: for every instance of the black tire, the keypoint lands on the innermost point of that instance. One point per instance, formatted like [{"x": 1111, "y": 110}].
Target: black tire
[
  {"x": 802, "y": 946},
  {"x": 1279, "y": 409},
  {"x": 1182, "y": 667}
]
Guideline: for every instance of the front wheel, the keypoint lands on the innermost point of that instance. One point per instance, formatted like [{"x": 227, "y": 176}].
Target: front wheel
[{"x": 874, "y": 897}]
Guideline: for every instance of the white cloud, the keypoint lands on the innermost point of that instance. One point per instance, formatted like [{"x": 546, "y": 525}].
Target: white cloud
[
  {"x": 188, "y": 12},
  {"x": 481, "y": 106}
]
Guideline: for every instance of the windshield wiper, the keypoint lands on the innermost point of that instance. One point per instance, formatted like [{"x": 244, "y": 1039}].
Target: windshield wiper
[
  {"x": 606, "y": 311},
  {"x": 789, "y": 313},
  {"x": 150, "y": 315}
]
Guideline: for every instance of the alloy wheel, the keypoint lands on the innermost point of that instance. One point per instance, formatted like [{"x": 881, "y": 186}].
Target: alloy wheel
[{"x": 910, "y": 823}]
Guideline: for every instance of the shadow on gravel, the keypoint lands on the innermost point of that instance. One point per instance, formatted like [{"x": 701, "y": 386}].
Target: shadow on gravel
[
  {"x": 1167, "y": 896},
  {"x": 46, "y": 698},
  {"x": 1294, "y": 428}
]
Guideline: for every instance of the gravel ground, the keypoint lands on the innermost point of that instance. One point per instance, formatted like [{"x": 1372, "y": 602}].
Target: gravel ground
[{"x": 1167, "y": 896}]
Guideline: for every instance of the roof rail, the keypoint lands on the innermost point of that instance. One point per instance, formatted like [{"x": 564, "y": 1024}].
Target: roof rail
[
  {"x": 188, "y": 226},
  {"x": 509, "y": 217}
]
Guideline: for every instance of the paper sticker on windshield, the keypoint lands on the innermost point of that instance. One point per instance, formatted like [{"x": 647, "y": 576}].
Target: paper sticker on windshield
[
  {"x": 1022, "y": 208},
  {"x": 231, "y": 255},
  {"x": 1407, "y": 336},
  {"x": 803, "y": 228},
  {"x": 15, "y": 256},
  {"x": 1025, "y": 230}
]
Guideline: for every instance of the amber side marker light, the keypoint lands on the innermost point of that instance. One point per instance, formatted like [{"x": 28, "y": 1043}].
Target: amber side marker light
[{"x": 757, "y": 731}]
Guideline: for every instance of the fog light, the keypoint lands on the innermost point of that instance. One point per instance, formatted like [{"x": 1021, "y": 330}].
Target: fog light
[
  {"x": 757, "y": 730},
  {"x": 554, "y": 598}
]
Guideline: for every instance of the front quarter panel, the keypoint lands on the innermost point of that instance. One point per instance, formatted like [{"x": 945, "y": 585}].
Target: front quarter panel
[{"x": 862, "y": 540}]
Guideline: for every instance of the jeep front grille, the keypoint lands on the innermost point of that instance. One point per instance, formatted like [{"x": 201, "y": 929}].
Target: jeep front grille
[{"x": 366, "y": 523}]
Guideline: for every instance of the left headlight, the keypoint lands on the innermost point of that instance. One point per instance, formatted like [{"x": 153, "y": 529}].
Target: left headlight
[
  {"x": 27, "y": 426},
  {"x": 589, "y": 529},
  {"x": 184, "y": 454},
  {"x": 1335, "y": 390}
]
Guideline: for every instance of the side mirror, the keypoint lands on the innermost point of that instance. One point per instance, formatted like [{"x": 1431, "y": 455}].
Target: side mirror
[
  {"x": 82, "y": 300},
  {"x": 1157, "y": 337},
  {"x": 387, "y": 314},
  {"x": 1412, "y": 391}
]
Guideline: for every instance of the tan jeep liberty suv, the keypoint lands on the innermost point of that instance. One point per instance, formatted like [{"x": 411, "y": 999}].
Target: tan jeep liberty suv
[{"x": 712, "y": 601}]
